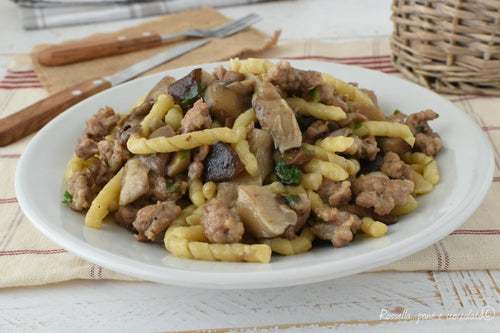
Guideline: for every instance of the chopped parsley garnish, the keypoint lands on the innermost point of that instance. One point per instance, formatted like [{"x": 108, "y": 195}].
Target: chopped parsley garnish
[
  {"x": 314, "y": 95},
  {"x": 291, "y": 199},
  {"x": 419, "y": 129},
  {"x": 300, "y": 122},
  {"x": 428, "y": 162},
  {"x": 349, "y": 109},
  {"x": 173, "y": 188},
  {"x": 68, "y": 198},
  {"x": 307, "y": 150},
  {"x": 184, "y": 153},
  {"x": 287, "y": 174},
  {"x": 357, "y": 125},
  {"x": 396, "y": 112},
  {"x": 194, "y": 93}
]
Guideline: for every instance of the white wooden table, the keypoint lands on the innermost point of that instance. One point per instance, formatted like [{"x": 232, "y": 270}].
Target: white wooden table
[{"x": 376, "y": 302}]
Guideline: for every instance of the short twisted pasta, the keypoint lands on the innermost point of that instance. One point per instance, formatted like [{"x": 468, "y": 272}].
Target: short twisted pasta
[
  {"x": 287, "y": 247},
  {"x": 385, "y": 128},
  {"x": 250, "y": 66},
  {"x": 190, "y": 242},
  {"x": 343, "y": 88},
  {"x": 140, "y": 145},
  {"x": 242, "y": 148},
  {"x": 316, "y": 109},
  {"x": 352, "y": 166},
  {"x": 163, "y": 103},
  {"x": 74, "y": 165},
  {"x": 100, "y": 206}
]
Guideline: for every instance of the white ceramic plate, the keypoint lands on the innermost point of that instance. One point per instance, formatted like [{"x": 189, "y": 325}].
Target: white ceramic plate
[{"x": 465, "y": 162}]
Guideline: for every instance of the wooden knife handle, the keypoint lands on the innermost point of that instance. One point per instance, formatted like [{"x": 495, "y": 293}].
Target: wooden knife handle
[
  {"x": 80, "y": 51},
  {"x": 35, "y": 116}
]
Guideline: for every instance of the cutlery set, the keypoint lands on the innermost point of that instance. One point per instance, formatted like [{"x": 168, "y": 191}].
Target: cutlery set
[{"x": 35, "y": 116}]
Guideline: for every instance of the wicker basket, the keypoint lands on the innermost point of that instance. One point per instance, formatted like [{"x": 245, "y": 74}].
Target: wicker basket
[{"x": 450, "y": 46}]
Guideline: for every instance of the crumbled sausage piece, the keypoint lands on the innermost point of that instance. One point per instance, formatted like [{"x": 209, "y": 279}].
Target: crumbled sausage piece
[
  {"x": 381, "y": 193},
  {"x": 125, "y": 215},
  {"x": 365, "y": 148},
  {"x": 393, "y": 167},
  {"x": 100, "y": 124},
  {"x": 222, "y": 226},
  {"x": 196, "y": 118},
  {"x": 292, "y": 79},
  {"x": 335, "y": 193},
  {"x": 315, "y": 131},
  {"x": 112, "y": 152},
  {"x": 195, "y": 169},
  {"x": 151, "y": 220},
  {"x": 336, "y": 225},
  {"x": 301, "y": 205},
  {"x": 426, "y": 140},
  {"x": 86, "y": 149},
  {"x": 79, "y": 186}
]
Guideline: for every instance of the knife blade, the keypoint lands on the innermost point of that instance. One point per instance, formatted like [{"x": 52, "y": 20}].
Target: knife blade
[{"x": 35, "y": 116}]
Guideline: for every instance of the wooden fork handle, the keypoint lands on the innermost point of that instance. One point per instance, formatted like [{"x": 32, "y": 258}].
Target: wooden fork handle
[
  {"x": 35, "y": 116},
  {"x": 86, "y": 50}
]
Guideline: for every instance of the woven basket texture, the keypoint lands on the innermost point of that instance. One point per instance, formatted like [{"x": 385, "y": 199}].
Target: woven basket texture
[{"x": 450, "y": 46}]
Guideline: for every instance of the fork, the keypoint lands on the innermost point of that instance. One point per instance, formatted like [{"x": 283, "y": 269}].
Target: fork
[
  {"x": 87, "y": 50},
  {"x": 222, "y": 31}
]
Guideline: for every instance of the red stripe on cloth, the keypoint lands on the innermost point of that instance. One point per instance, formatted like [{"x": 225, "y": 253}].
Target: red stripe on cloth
[
  {"x": 22, "y": 71},
  {"x": 490, "y": 128},
  {"x": 10, "y": 155},
  {"x": 23, "y": 252},
  {"x": 8, "y": 201},
  {"x": 496, "y": 179},
  {"x": 476, "y": 232},
  {"x": 19, "y": 82},
  {"x": 365, "y": 58},
  {"x": 14, "y": 76},
  {"x": 2, "y": 86}
]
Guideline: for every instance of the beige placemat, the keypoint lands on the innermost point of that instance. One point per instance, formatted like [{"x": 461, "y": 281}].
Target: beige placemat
[
  {"x": 55, "y": 78},
  {"x": 28, "y": 258}
]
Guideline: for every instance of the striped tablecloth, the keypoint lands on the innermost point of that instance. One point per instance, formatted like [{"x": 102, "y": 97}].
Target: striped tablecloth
[{"x": 28, "y": 258}]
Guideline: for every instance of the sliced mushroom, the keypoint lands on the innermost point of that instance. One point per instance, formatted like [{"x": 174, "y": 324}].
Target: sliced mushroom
[
  {"x": 179, "y": 162},
  {"x": 189, "y": 89},
  {"x": 276, "y": 117},
  {"x": 134, "y": 183},
  {"x": 260, "y": 143},
  {"x": 227, "y": 100},
  {"x": 160, "y": 88},
  {"x": 263, "y": 212},
  {"x": 222, "y": 163}
]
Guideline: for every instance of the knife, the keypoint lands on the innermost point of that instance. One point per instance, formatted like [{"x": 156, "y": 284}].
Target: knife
[{"x": 35, "y": 116}]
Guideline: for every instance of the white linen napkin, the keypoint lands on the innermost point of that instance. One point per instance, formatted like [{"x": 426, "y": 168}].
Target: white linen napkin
[{"x": 40, "y": 14}]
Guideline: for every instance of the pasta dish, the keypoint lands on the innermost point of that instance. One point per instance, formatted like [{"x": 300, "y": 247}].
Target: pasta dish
[{"x": 252, "y": 159}]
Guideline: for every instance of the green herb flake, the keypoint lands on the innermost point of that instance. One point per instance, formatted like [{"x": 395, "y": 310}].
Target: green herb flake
[
  {"x": 357, "y": 125},
  {"x": 184, "y": 153},
  {"x": 194, "y": 93},
  {"x": 307, "y": 150},
  {"x": 314, "y": 95},
  {"x": 419, "y": 129},
  {"x": 173, "y": 188},
  {"x": 68, "y": 198},
  {"x": 349, "y": 108},
  {"x": 291, "y": 199},
  {"x": 287, "y": 174},
  {"x": 301, "y": 123},
  {"x": 428, "y": 163},
  {"x": 396, "y": 112}
]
